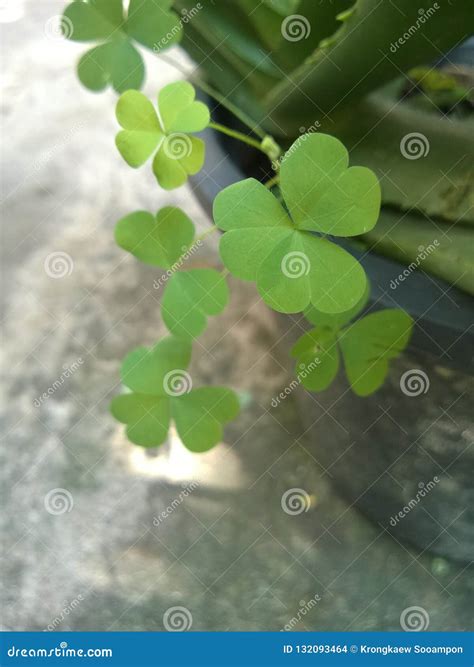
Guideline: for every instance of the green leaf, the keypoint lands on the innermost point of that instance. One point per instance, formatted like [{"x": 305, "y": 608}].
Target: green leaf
[
  {"x": 151, "y": 23},
  {"x": 162, "y": 390},
  {"x": 199, "y": 416},
  {"x": 147, "y": 417},
  {"x": 148, "y": 370},
  {"x": 178, "y": 109},
  {"x": 115, "y": 60},
  {"x": 190, "y": 297},
  {"x": 322, "y": 194},
  {"x": 369, "y": 344},
  {"x": 336, "y": 320},
  {"x": 93, "y": 20},
  {"x": 159, "y": 240},
  {"x": 317, "y": 358},
  {"x": 178, "y": 154},
  {"x": 291, "y": 267},
  {"x": 142, "y": 131}
]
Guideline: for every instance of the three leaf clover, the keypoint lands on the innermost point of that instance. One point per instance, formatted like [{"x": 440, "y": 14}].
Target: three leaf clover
[
  {"x": 190, "y": 297},
  {"x": 161, "y": 392},
  {"x": 292, "y": 265},
  {"x": 163, "y": 240},
  {"x": 159, "y": 240},
  {"x": 115, "y": 60},
  {"x": 177, "y": 153},
  {"x": 367, "y": 346}
]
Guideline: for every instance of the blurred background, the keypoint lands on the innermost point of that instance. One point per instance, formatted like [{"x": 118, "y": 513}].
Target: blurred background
[{"x": 99, "y": 534}]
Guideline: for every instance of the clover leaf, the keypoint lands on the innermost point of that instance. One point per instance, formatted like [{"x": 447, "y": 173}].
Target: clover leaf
[
  {"x": 292, "y": 266},
  {"x": 366, "y": 346},
  {"x": 115, "y": 60},
  {"x": 191, "y": 296},
  {"x": 158, "y": 240},
  {"x": 177, "y": 153},
  {"x": 161, "y": 392}
]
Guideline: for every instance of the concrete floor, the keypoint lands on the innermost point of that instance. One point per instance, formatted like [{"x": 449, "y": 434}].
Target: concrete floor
[{"x": 227, "y": 553}]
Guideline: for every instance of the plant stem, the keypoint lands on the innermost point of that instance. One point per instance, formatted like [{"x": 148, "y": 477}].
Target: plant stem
[
  {"x": 221, "y": 99},
  {"x": 273, "y": 181},
  {"x": 237, "y": 135}
]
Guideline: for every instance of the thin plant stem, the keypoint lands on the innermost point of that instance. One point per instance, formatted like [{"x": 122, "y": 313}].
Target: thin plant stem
[
  {"x": 273, "y": 181},
  {"x": 237, "y": 135}
]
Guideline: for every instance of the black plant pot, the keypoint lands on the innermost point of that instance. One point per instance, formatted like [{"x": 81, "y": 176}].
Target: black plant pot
[{"x": 404, "y": 455}]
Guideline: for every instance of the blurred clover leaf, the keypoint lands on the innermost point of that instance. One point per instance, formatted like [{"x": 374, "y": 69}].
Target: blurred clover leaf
[
  {"x": 158, "y": 240},
  {"x": 161, "y": 392},
  {"x": 177, "y": 153},
  {"x": 293, "y": 266},
  {"x": 367, "y": 346},
  {"x": 115, "y": 60},
  {"x": 190, "y": 297}
]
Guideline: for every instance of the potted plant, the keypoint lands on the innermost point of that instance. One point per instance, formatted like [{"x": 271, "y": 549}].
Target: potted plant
[{"x": 344, "y": 191}]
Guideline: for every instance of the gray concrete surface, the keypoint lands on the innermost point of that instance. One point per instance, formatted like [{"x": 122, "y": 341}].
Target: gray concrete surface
[{"x": 226, "y": 552}]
